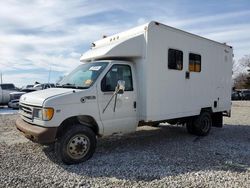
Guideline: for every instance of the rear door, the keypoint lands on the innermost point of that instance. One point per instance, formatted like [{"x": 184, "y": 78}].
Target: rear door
[{"x": 123, "y": 118}]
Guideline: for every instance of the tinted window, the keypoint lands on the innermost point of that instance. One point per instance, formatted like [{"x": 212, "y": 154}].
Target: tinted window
[
  {"x": 175, "y": 59},
  {"x": 117, "y": 72},
  {"x": 29, "y": 86},
  {"x": 45, "y": 86},
  {"x": 7, "y": 86},
  {"x": 194, "y": 62},
  {"x": 246, "y": 92}
]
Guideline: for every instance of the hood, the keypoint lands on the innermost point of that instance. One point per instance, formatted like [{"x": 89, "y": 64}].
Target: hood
[{"x": 37, "y": 98}]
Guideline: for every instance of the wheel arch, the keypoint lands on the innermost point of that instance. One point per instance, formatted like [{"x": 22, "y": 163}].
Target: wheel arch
[
  {"x": 84, "y": 120},
  {"x": 207, "y": 109}
]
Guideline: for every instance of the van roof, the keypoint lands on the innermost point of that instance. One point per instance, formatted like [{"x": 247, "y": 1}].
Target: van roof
[
  {"x": 173, "y": 28},
  {"x": 140, "y": 29}
]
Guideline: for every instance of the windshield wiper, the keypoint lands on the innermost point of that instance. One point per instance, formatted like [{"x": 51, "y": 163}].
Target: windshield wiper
[{"x": 69, "y": 85}]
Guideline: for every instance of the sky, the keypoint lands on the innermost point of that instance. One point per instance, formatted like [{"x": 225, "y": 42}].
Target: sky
[{"x": 42, "y": 36}]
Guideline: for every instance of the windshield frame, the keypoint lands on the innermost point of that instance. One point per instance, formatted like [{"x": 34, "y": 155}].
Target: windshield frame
[{"x": 64, "y": 83}]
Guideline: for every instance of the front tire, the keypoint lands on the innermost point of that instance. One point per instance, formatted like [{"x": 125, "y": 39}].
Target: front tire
[{"x": 76, "y": 145}]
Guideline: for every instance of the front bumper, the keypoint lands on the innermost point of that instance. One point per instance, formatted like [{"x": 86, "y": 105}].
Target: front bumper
[
  {"x": 13, "y": 104},
  {"x": 35, "y": 133}
]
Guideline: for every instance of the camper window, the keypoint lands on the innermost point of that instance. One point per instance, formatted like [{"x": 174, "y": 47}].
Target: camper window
[
  {"x": 175, "y": 59},
  {"x": 194, "y": 62}
]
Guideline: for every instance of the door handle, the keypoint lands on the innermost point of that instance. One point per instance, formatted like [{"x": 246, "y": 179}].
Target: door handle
[
  {"x": 134, "y": 104},
  {"x": 187, "y": 75}
]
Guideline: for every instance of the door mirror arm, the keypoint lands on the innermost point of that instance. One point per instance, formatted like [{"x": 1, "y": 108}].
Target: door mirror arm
[{"x": 118, "y": 90}]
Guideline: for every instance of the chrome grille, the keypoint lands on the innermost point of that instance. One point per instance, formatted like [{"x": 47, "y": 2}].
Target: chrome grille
[{"x": 26, "y": 111}]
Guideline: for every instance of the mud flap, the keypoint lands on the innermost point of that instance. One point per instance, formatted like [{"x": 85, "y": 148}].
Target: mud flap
[{"x": 217, "y": 119}]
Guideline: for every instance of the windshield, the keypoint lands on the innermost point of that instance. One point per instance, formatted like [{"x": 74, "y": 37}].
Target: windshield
[{"x": 83, "y": 76}]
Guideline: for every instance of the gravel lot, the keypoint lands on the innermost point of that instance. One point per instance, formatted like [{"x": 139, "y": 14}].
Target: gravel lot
[{"x": 152, "y": 157}]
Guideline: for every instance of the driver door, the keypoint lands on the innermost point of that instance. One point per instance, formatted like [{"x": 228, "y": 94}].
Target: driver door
[{"x": 123, "y": 118}]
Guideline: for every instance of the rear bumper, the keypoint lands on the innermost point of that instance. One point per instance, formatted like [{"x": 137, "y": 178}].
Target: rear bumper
[{"x": 35, "y": 133}]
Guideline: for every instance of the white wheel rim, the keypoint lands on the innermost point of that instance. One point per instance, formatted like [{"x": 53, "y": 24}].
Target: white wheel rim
[{"x": 78, "y": 146}]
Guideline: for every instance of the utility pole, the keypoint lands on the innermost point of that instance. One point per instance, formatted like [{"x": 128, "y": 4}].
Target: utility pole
[
  {"x": 49, "y": 74},
  {"x": 1, "y": 77},
  {"x": 1, "y": 95}
]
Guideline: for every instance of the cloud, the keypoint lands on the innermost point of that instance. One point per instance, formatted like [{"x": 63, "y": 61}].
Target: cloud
[
  {"x": 208, "y": 19},
  {"x": 45, "y": 13},
  {"x": 23, "y": 77},
  {"x": 43, "y": 34},
  {"x": 38, "y": 35}
]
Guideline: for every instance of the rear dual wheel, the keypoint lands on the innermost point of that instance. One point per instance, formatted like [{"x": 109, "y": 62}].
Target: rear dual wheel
[{"x": 200, "y": 125}]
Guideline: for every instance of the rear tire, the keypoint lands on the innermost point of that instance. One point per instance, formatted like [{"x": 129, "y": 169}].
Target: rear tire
[
  {"x": 76, "y": 145},
  {"x": 202, "y": 124}
]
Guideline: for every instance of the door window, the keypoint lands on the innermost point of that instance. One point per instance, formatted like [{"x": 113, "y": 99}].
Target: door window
[{"x": 117, "y": 72}]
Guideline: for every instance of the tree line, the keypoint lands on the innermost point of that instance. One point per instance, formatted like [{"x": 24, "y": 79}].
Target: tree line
[{"x": 241, "y": 73}]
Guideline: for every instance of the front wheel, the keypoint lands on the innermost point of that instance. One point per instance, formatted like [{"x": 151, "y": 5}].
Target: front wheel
[{"x": 76, "y": 145}]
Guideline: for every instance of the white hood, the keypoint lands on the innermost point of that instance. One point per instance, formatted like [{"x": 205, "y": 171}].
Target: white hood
[{"x": 37, "y": 98}]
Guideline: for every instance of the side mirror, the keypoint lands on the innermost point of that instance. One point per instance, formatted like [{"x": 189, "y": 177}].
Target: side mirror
[{"x": 120, "y": 86}]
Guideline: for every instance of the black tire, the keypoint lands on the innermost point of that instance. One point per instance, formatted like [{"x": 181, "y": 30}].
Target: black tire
[
  {"x": 76, "y": 145},
  {"x": 202, "y": 124}
]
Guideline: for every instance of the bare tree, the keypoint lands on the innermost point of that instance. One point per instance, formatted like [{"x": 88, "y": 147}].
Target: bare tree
[
  {"x": 240, "y": 80},
  {"x": 240, "y": 66},
  {"x": 242, "y": 73},
  {"x": 246, "y": 62}
]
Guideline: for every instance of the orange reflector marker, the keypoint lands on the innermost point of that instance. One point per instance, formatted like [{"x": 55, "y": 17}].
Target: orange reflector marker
[{"x": 48, "y": 114}]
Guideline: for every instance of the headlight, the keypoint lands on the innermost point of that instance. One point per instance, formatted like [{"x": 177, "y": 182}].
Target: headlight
[
  {"x": 37, "y": 113},
  {"x": 48, "y": 114},
  {"x": 45, "y": 114}
]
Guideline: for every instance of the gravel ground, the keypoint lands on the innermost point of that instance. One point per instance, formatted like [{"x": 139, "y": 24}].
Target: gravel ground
[{"x": 152, "y": 157}]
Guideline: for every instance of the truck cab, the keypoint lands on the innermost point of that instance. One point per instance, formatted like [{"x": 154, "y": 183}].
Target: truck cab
[{"x": 88, "y": 96}]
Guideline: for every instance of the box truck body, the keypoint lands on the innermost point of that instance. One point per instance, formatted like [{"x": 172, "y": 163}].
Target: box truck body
[
  {"x": 165, "y": 93},
  {"x": 149, "y": 74}
]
